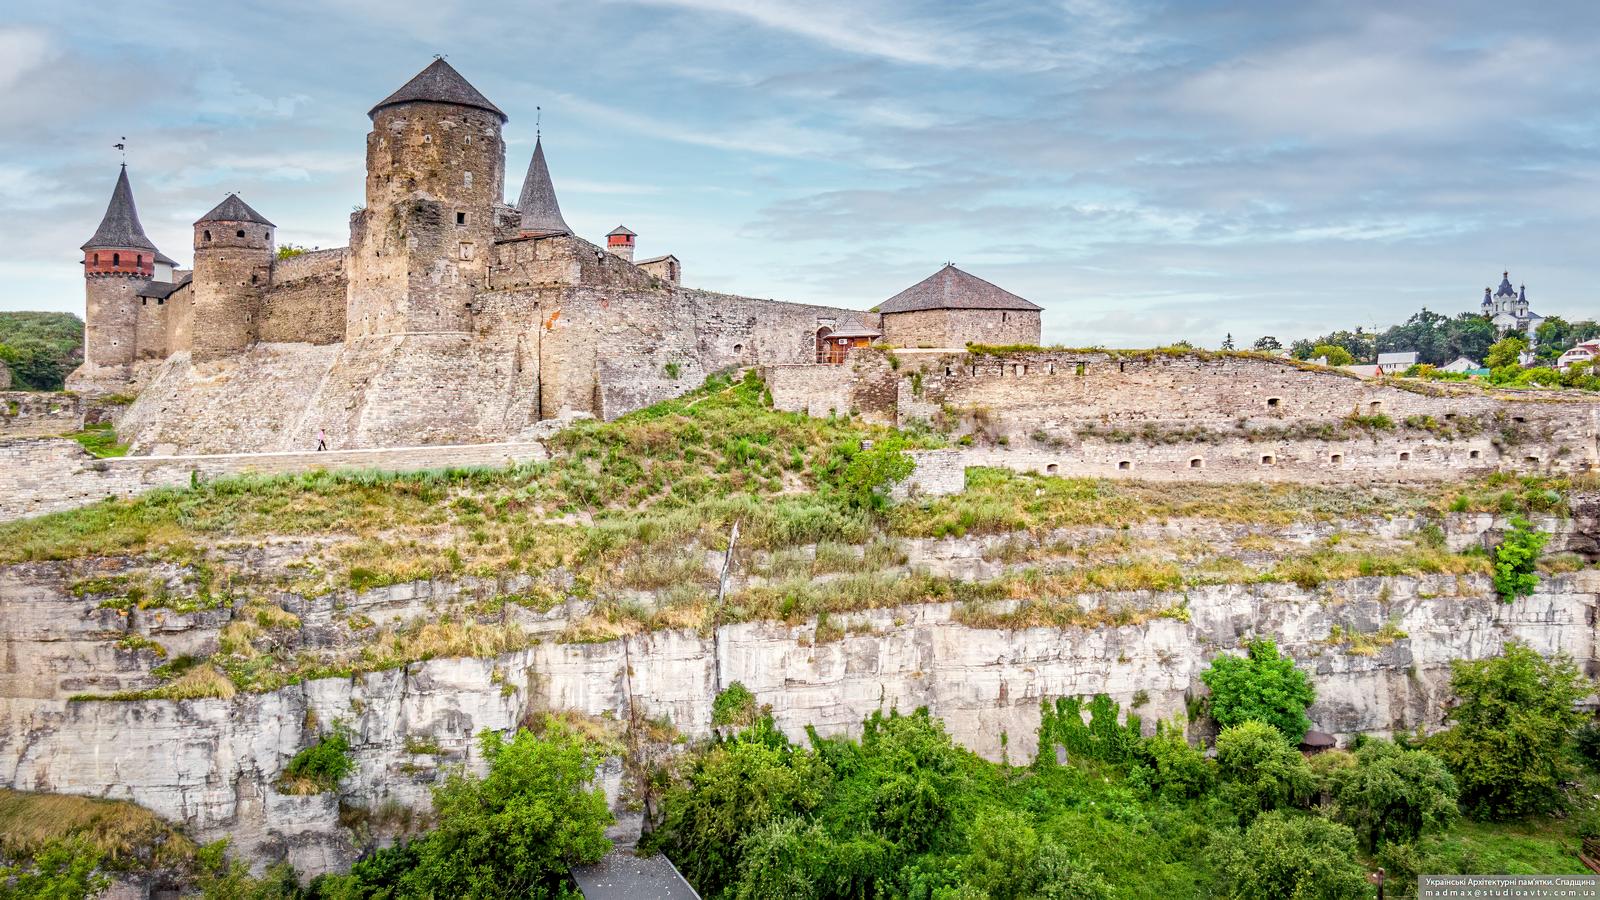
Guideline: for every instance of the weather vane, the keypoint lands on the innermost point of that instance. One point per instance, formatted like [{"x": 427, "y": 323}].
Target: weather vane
[
  {"x": 122, "y": 146},
  {"x": 538, "y": 121}
]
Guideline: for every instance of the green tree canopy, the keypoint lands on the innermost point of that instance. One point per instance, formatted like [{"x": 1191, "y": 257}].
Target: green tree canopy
[
  {"x": 1505, "y": 351},
  {"x": 1335, "y": 354},
  {"x": 1288, "y": 856},
  {"x": 515, "y": 831},
  {"x": 1260, "y": 770},
  {"x": 1509, "y": 731},
  {"x": 1393, "y": 794},
  {"x": 1262, "y": 686}
]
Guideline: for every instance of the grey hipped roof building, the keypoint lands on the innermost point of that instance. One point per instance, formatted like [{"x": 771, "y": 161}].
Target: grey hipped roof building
[
  {"x": 438, "y": 83},
  {"x": 951, "y": 288},
  {"x": 541, "y": 214},
  {"x": 119, "y": 228}
]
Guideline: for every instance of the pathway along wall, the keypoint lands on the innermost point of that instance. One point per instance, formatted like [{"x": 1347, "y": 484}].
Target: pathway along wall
[{"x": 51, "y": 475}]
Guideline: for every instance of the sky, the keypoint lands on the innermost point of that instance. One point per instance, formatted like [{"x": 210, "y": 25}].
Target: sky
[{"x": 1147, "y": 172}]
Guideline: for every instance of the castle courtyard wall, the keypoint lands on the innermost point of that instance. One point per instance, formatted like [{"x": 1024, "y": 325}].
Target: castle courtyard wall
[{"x": 959, "y": 327}]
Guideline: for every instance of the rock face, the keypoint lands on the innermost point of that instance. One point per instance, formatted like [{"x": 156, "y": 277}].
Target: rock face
[{"x": 211, "y": 764}]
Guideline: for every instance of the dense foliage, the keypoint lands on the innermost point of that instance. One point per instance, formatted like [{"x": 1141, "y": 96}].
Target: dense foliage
[
  {"x": 1393, "y": 794},
  {"x": 1510, "y": 730},
  {"x": 321, "y": 766},
  {"x": 1516, "y": 560},
  {"x": 1289, "y": 856},
  {"x": 40, "y": 348},
  {"x": 510, "y": 834},
  {"x": 58, "y": 871},
  {"x": 1261, "y": 686}
]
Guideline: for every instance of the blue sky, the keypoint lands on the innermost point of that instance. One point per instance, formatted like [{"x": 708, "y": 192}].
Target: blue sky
[{"x": 1145, "y": 171}]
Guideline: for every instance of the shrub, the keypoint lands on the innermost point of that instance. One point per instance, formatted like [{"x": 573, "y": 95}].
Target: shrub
[
  {"x": 734, "y": 706},
  {"x": 319, "y": 767},
  {"x": 1393, "y": 795},
  {"x": 515, "y": 831},
  {"x": 1509, "y": 731},
  {"x": 1168, "y": 767},
  {"x": 1260, "y": 770},
  {"x": 1285, "y": 856},
  {"x": 1516, "y": 560},
  {"x": 1261, "y": 686},
  {"x": 65, "y": 870},
  {"x": 1587, "y": 741},
  {"x": 1336, "y": 355}
]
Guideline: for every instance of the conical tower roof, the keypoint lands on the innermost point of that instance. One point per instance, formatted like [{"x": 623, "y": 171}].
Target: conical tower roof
[
  {"x": 120, "y": 228},
  {"x": 439, "y": 83},
  {"x": 541, "y": 214},
  {"x": 232, "y": 209}
]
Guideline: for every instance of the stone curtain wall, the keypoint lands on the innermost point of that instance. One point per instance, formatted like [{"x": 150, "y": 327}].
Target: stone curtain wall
[
  {"x": 49, "y": 475},
  {"x": 306, "y": 303},
  {"x": 39, "y": 413},
  {"x": 209, "y": 764},
  {"x": 865, "y": 385},
  {"x": 572, "y": 261}
]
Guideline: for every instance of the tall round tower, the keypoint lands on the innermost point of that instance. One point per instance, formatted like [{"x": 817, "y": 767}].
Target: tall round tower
[
  {"x": 117, "y": 261},
  {"x": 233, "y": 252},
  {"x": 421, "y": 248}
]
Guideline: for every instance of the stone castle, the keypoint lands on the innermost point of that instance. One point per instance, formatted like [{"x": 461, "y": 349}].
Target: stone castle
[{"x": 452, "y": 317}]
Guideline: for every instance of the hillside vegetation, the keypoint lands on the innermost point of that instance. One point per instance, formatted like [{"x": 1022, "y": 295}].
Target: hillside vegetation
[{"x": 40, "y": 348}]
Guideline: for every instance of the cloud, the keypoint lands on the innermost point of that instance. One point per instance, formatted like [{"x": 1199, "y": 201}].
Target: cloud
[{"x": 22, "y": 49}]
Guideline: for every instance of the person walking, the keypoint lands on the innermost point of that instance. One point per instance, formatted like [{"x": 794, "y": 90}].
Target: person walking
[{"x": 322, "y": 439}]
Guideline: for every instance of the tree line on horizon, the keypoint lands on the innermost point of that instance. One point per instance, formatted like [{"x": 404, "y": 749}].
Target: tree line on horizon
[
  {"x": 1437, "y": 339},
  {"x": 40, "y": 348}
]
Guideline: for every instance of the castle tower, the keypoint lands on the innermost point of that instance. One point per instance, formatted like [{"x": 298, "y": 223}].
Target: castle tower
[
  {"x": 541, "y": 214},
  {"x": 421, "y": 248},
  {"x": 233, "y": 253},
  {"x": 620, "y": 242},
  {"x": 117, "y": 262}
]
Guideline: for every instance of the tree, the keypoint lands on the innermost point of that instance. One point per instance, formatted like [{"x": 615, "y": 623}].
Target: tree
[
  {"x": 1262, "y": 686},
  {"x": 1260, "y": 770},
  {"x": 1285, "y": 856},
  {"x": 736, "y": 789},
  {"x": 1393, "y": 795},
  {"x": 59, "y": 871},
  {"x": 1516, "y": 560},
  {"x": 1169, "y": 767},
  {"x": 1509, "y": 731},
  {"x": 1335, "y": 354},
  {"x": 1227, "y": 342},
  {"x": 1506, "y": 351},
  {"x": 514, "y": 832},
  {"x": 1267, "y": 344}
]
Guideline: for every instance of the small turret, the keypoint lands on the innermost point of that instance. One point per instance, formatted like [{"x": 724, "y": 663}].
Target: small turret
[
  {"x": 117, "y": 261},
  {"x": 620, "y": 242},
  {"x": 233, "y": 253}
]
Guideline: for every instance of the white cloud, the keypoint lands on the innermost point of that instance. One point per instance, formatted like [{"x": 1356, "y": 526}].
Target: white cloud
[{"x": 22, "y": 49}]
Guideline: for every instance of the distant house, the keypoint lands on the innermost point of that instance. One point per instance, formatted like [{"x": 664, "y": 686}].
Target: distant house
[
  {"x": 833, "y": 345},
  {"x": 1461, "y": 365},
  {"x": 1584, "y": 352},
  {"x": 1396, "y": 363}
]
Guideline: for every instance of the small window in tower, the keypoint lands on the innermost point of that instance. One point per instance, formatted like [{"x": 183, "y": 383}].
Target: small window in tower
[
  {"x": 461, "y": 218},
  {"x": 1003, "y": 318},
  {"x": 139, "y": 260},
  {"x": 239, "y": 233},
  {"x": 1125, "y": 464},
  {"x": 116, "y": 259},
  {"x": 1051, "y": 469},
  {"x": 144, "y": 301},
  {"x": 207, "y": 234},
  {"x": 97, "y": 259},
  {"x": 253, "y": 278}
]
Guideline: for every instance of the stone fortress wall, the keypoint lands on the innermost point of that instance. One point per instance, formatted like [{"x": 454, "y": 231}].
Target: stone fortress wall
[
  {"x": 49, "y": 475},
  {"x": 1199, "y": 415}
]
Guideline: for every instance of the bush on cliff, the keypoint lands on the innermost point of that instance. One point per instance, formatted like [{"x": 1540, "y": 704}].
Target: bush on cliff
[
  {"x": 58, "y": 871},
  {"x": 1261, "y": 686},
  {"x": 1507, "y": 744},
  {"x": 1516, "y": 560}
]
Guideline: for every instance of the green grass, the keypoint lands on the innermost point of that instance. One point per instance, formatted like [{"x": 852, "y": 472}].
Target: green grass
[{"x": 100, "y": 441}]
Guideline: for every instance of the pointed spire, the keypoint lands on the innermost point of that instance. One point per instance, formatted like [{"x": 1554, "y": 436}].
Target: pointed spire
[
  {"x": 232, "y": 209},
  {"x": 541, "y": 214},
  {"x": 119, "y": 228},
  {"x": 438, "y": 83}
]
